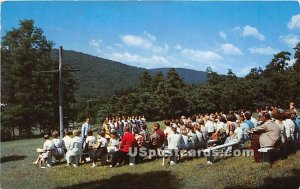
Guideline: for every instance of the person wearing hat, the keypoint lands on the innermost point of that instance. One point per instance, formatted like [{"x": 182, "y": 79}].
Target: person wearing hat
[{"x": 175, "y": 143}]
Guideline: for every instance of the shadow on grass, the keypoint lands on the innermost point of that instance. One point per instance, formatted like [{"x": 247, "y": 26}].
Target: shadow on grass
[
  {"x": 154, "y": 179},
  {"x": 291, "y": 182},
  {"x": 12, "y": 158}
]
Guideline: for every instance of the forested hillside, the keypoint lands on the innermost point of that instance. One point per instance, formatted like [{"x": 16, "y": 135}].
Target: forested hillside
[
  {"x": 100, "y": 77},
  {"x": 188, "y": 75}
]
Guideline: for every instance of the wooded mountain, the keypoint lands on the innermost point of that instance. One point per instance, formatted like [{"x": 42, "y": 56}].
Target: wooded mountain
[
  {"x": 188, "y": 75},
  {"x": 99, "y": 77}
]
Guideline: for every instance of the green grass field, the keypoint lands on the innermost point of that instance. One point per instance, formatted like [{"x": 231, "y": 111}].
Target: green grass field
[{"x": 17, "y": 171}]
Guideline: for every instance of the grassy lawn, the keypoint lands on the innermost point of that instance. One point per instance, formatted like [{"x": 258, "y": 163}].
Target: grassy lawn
[{"x": 17, "y": 171}]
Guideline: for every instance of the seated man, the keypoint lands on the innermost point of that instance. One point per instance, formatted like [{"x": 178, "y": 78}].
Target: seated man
[
  {"x": 74, "y": 153},
  {"x": 265, "y": 135}
]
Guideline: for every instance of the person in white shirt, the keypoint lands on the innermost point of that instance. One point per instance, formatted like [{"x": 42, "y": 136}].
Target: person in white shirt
[
  {"x": 90, "y": 139},
  {"x": 75, "y": 151},
  {"x": 45, "y": 153},
  {"x": 101, "y": 147},
  {"x": 89, "y": 143},
  {"x": 175, "y": 143},
  {"x": 210, "y": 126},
  {"x": 67, "y": 140},
  {"x": 237, "y": 135},
  {"x": 167, "y": 131},
  {"x": 59, "y": 144},
  {"x": 221, "y": 124},
  {"x": 114, "y": 142},
  {"x": 289, "y": 126},
  {"x": 203, "y": 130}
]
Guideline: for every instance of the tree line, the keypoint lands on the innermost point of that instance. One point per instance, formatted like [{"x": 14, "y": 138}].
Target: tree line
[{"x": 159, "y": 97}]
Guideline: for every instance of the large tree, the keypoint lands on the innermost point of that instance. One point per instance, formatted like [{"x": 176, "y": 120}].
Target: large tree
[{"x": 28, "y": 93}]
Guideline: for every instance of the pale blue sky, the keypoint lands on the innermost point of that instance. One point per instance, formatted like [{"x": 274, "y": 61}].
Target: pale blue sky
[{"x": 223, "y": 35}]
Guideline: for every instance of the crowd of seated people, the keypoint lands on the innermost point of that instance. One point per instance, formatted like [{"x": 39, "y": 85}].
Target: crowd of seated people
[{"x": 120, "y": 134}]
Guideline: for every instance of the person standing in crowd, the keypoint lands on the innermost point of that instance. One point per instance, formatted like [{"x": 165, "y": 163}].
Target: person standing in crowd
[
  {"x": 146, "y": 136},
  {"x": 106, "y": 127},
  {"x": 84, "y": 129},
  {"x": 266, "y": 135},
  {"x": 127, "y": 142}
]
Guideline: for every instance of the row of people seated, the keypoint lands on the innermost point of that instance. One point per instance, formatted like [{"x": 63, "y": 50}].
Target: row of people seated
[
  {"x": 195, "y": 132},
  {"x": 55, "y": 150}
]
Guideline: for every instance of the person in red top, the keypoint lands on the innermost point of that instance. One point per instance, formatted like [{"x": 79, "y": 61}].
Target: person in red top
[
  {"x": 161, "y": 134},
  {"x": 127, "y": 142}
]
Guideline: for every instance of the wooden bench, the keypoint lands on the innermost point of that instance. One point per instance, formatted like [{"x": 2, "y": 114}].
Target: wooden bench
[{"x": 209, "y": 151}]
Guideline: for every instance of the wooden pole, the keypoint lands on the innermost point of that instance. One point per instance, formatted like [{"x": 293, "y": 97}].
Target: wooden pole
[{"x": 61, "y": 117}]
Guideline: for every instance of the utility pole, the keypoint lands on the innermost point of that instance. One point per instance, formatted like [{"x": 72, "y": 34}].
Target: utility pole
[{"x": 60, "y": 90}]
